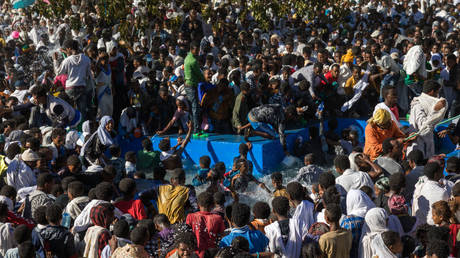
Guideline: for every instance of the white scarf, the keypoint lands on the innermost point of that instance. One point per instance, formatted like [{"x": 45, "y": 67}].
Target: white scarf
[
  {"x": 375, "y": 223},
  {"x": 104, "y": 136},
  {"x": 428, "y": 102},
  {"x": 358, "y": 91},
  {"x": 379, "y": 249},
  {"x": 358, "y": 203}
]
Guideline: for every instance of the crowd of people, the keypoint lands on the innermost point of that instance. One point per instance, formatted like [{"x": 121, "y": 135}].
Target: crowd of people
[{"x": 73, "y": 89}]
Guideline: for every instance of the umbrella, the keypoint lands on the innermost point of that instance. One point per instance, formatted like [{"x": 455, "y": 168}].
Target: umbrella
[{"x": 17, "y": 4}]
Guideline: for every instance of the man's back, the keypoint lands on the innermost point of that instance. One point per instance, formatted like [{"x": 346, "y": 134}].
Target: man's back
[
  {"x": 336, "y": 244},
  {"x": 429, "y": 193},
  {"x": 206, "y": 226},
  {"x": 354, "y": 180},
  {"x": 257, "y": 240},
  {"x": 77, "y": 68}
]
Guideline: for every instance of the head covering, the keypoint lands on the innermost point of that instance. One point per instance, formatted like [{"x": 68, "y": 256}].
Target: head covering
[
  {"x": 318, "y": 228},
  {"x": 353, "y": 164},
  {"x": 397, "y": 204},
  {"x": 71, "y": 139},
  {"x": 381, "y": 117},
  {"x": 436, "y": 57},
  {"x": 383, "y": 184},
  {"x": 348, "y": 57},
  {"x": 375, "y": 223},
  {"x": 102, "y": 133},
  {"x": 101, "y": 215},
  {"x": 29, "y": 155},
  {"x": 8, "y": 202},
  {"x": 379, "y": 249},
  {"x": 358, "y": 203}
]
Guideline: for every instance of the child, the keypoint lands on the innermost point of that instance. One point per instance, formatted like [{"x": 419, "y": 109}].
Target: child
[
  {"x": 441, "y": 214},
  {"x": 239, "y": 177},
  {"x": 57, "y": 239},
  {"x": 127, "y": 204},
  {"x": 165, "y": 234},
  {"x": 171, "y": 157},
  {"x": 117, "y": 162},
  {"x": 130, "y": 164},
  {"x": 219, "y": 204},
  {"x": 147, "y": 158},
  {"x": 261, "y": 212},
  {"x": 200, "y": 178},
  {"x": 180, "y": 118},
  {"x": 337, "y": 242},
  {"x": 388, "y": 244},
  {"x": 277, "y": 182},
  {"x": 310, "y": 172}
]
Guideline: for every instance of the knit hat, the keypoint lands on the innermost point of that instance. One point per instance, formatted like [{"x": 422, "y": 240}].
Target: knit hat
[
  {"x": 29, "y": 155},
  {"x": 381, "y": 117},
  {"x": 383, "y": 184},
  {"x": 397, "y": 204}
]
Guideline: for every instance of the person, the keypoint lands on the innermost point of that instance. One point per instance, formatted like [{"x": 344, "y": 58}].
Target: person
[
  {"x": 40, "y": 196},
  {"x": 130, "y": 163},
  {"x": 7, "y": 230},
  {"x": 139, "y": 237},
  {"x": 77, "y": 199},
  {"x": 127, "y": 204},
  {"x": 390, "y": 96},
  {"x": 165, "y": 235},
  {"x": 348, "y": 178},
  {"x": 184, "y": 246},
  {"x": 207, "y": 226},
  {"x": 120, "y": 234},
  {"x": 240, "y": 220},
  {"x": 202, "y": 174},
  {"x": 398, "y": 207},
  {"x": 239, "y": 177},
  {"x": 416, "y": 162},
  {"x": 426, "y": 111},
  {"x": 338, "y": 241},
  {"x": 21, "y": 234},
  {"x": 375, "y": 224},
  {"x": 77, "y": 67},
  {"x": 396, "y": 183},
  {"x": 303, "y": 208},
  {"x": 192, "y": 77},
  {"x": 57, "y": 239},
  {"x": 428, "y": 193},
  {"x": 103, "y": 83},
  {"x": 284, "y": 235},
  {"x": 437, "y": 249},
  {"x": 388, "y": 244},
  {"x": 441, "y": 214},
  {"x": 277, "y": 182},
  {"x": 261, "y": 212},
  {"x": 99, "y": 141},
  {"x": 170, "y": 157},
  {"x": 241, "y": 109},
  {"x": 98, "y": 236},
  {"x": 379, "y": 128},
  {"x": 452, "y": 169},
  {"x": 147, "y": 158},
  {"x": 310, "y": 172},
  {"x": 20, "y": 172},
  {"x": 390, "y": 157}
]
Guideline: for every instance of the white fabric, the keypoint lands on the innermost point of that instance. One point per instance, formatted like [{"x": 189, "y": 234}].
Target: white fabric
[
  {"x": 294, "y": 242},
  {"x": 101, "y": 133},
  {"x": 304, "y": 214},
  {"x": 414, "y": 61},
  {"x": 379, "y": 249},
  {"x": 83, "y": 221},
  {"x": 6, "y": 237},
  {"x": 72, "y": 207},
  {"x": 105, "y": 99},
  {"x": 382, "y": 105},
  {"x": 68, "y": 114},
  {"x": 20, "y": 175},
  {"x": 8, "y": 202},
  {"x": 351, "y": 158},
  {"x": 359, "y": 87},
  {"x": 375, "y": 223},
  {"x": 358, "y": 203},
  {"x": 129, "y": 123},
  {"x": 354, "y": 180},
  {"x": 71, "y": 139},
  {"x": 91, "y": 243},
  {"x": 424, "y": 118},
  {"x": 78, "y": 70},
  {"x": 426, "y": 193}
]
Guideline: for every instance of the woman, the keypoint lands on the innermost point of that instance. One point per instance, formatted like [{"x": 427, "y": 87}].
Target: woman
[
  {"x": 98, "y": 236},
  {"x": 99, "y": 141},
  {"x": 104, "y": 86},
  {"x": 375, "y": 223}
]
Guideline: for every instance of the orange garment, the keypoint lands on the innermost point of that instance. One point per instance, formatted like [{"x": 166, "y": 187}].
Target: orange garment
[
  {"x": 374, "y": 137},
  {"x": 259, "y": 224}
]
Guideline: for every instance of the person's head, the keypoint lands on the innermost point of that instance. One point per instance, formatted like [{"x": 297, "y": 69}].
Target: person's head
[
  {"x": 243, "y": 149},
  {"x": 70, "y": 46},
  {"x": 393, "y": 242},
  {"x": 437, "y": 248},
  {"x": 242, "y": 166},
  {"x": 73, "y": 164},
  {"x": 205, "y": 201},
  {"x": 104, "y": 191},
  {"x": 431, "y": 88},
  {"x": 295, "y": 191},
  {"x": 397, "y": 182},
  {"x": 241, "y": 214},
  {"x": 26, "y": 250},
  {"x": 281, "y": 206},
  {"x": 333, "y": 213},
  {"x": 161, "y": 221},
  {"x": 165, "y": 144},
  {"x": 121, "y": 229},
  {"x": 45, "y": 182},
  {"x": 219, "y": 199},
  {"x": 277, "y": 179},
  {"x": 147, "y": 145},
  {"x": 261, "y": 210},
  {"x": 39, "y": 215},
  {"x": 58, "y": 137},
  {"x": 195, "y": 48},
  {"x": 21, "y": 234},
  {"x": 390, "y": 95},
  {"x": 9, "y": 191},
  {"x": 453, "y": 165},
  {"x": 415, "y": 158},
  {"x": 130, "y": 156},
  {"x": 75, "y": 189},
  {"x": 311, "y": 250},
  {"x": 331, "y": 195},
  {"x": 127, "y": 187},
  {"x": 205, "y": 161},
  {"x": 433, "y": 171},
  {"x": 54, "y": 214},
  {"x": 240, "y": 243},
  {"x": 185, "y": 244},
  {"x": 325, "y": 181},
  {"x": 178, "y": 176},
  {"x": 440, "y": 212},
  {"x": 391, "y": 148},
  {"x": 309, "y": 159},
  {"x": 381, "y": 119},
  {"x": 139, "y": 235},
  {"x": 341, "y": 163}
]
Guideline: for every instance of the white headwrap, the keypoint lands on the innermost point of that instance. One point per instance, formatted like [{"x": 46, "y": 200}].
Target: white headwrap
[
  {"x": 71, "y": 140},
  {"x": 358, "y": 203},
  {"x": 101, "y": 133},
  {"x": 380, "y": 249},
  {"x": 375, "y": 223}
]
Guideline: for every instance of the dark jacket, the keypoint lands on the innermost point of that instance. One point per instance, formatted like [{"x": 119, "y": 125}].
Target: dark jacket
[{"x": 58, "y": 240}]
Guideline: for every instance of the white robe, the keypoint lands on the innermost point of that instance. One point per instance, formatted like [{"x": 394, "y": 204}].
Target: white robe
[
  {"x": 20, "y": 175},
  {"x": 6, "y": 237},
  {"x": 358, "y": 203},
  {"x": 304, "y": 214},
  {"x": 375, "y": 223},
  {"x": 425, "y": 194},
  {"x": 104, "y": 95},
  {"x": 379, "y": 249},
  {"x": 294, "y": 244},
  {"x": 83, "y": 221},
  {"x": 353, "y": 180}
]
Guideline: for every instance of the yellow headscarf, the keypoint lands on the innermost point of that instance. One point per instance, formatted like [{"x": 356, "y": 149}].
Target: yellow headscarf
[
  {"x": 381, "y": 117},
  {"x": 348, "y": 57}
]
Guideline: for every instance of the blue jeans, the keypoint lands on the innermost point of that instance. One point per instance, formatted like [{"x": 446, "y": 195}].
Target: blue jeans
[{"x": 192, "y": 96}]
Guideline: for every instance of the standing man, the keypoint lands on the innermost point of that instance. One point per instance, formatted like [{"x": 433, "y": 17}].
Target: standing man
[{"x": 193, "y": 76}]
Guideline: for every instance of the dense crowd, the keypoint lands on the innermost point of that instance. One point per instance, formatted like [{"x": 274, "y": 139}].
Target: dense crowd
[{"x": 72, "y": 93}]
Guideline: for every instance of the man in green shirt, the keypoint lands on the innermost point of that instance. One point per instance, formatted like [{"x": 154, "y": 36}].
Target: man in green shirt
[
  {"x": 241, "y": 109},
  {"x": 193, "y": 76},
  {"x": 147, "y": 158}
]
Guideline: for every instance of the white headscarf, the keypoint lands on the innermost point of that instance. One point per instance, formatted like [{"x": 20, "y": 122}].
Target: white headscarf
[
  {"x": 102, "y": 133},
  {"x": 71, "y": 140},
  {"x": 375, "y": 223},
  {"x": 353, "y": 164},
  {"x": 358, "y": 203},
  {"x": 380, "y": 249}
]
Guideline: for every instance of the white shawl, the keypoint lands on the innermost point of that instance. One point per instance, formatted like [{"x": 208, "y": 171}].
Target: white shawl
[
  {"x": 379, "y": 248},
  {"x": 358, "y": 203},
  {"x": 433, "y": 117},
  {"x": 72, "y": 207},
  {"x": 91, "y": 243},
  {"x": 375, "y": 223},
  {"x": 358, "y": 91},
  {"x": 294, "y": 242},
  {"x": 304, "y": 214}
]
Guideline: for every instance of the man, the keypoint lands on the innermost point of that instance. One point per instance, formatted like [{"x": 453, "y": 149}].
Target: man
[
  {"x": 303, "y": 208},
  {"x": 309, "y": 174},
  {"x": 265, "y": 118},
  {"x": 391, "y": 155},
  {"x": 241, "y": 109},
  {"x": 20, "y": 172},
  {"x": 77, "y": 66},
  {"x": 337, "y": 242},
  {"x": 171, "y": 157},
  {"x": 348, "y": 178},
  {"x": 207, "y": 226},
  {"x": 416, "y": 163},
  {"x": 185, "y": 245},
  {"x": 426, "y": 111},
  {"x": 40, "y": 196},
  {"x": 390, "y": 96},
  {"x": 428, "y": 192},
  {"x": 193, "y": 76}
]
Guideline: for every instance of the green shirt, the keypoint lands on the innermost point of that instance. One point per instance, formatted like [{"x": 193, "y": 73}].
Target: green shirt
[
  {"x": 240, "y": 112},
  {"x": 147, "y": 159},
  {"x": 192, "y": 72}
]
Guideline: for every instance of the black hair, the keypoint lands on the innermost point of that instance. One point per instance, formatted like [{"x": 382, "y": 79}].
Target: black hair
[
  {"x": 40, "y": 91},
  {"x": 205, "y": 161},
  {"x": 114, "y": 150},
  {"x": 397, "y": 182},
  {"x": 326, "y": 180},
  {"x": 245, "y": 86},
  {"x": 310, "y": 157},
  {"x": 121, "y": 228},
  {"x": 34, "y": 143},
  {"x": 241, "y": 214},
  {"x": 187, "y": 238},
  {"x": 72, "y": 44},
  {"x": 240, "y": 243},
  {"x": 57, "y": 190},
  {"x": 161, "y": 219},
  {"x": 219, "y": 198},
  {"x": 296, "y": 191},
  {"x": 311, "y": 250},
  {"x": 147, "y": 144},
  {"x": 367, "y": 190},
  {"x": 39, "y": 215},
  {"x": 8, "y": 191},
  {"x": 453, "y": 164},
  {"x": 342, "y": 162},
  {"x": 331, "y": 195},
  {"x": 390, "y": 238},
  {"x": 438, "y": 247},
  {"x": 441, "y": 233},
  {"x": 205, "y": 200},
  {"x": 76, "y": 189},
  {"x": 21, "y": 234},
  {"x": 227, "y": 252},
  {"x": 26, "y": 250},
  {"x": 44, "y": 178},
  {"x": 280, "y": 205},
  {"x": 53, "y": 213},
  {"x": 333, "y": 212},
  {"x": 109, "y": 171},
  {"x": 243, "y": 148},
  {"x": 178, "y": 174},
  {"x": 431, "y": 169},
  {"x": 430, "y": 85},
  {"x": 127, "y": 186},
  {"x": 73, "y": 160},
  {"x": 164, "y": 144},
  {"x": 159, "y": 173},
  {"x": 417, "y": 157},
  {"x": 57, "y": 132},
  {"x": 104, "y": 191},
  {"x": 409, "y": 245},
  {"x": 66, "y": 181},
  {"x": 130, "y": 156},
  {"x": 13, "y": 150},
  {"x": 387, "y": 146},
  {"x": 277, "y": 176},
  {"x": 261, "y": 210},
  {"x": 386, "y": 89},
  {"x": 149, "y": 224},
  {"x": 139, "y": 235},
  {"x": 456, "y": 190}
]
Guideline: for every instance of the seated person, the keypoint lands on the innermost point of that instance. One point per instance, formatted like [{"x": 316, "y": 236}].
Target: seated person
[{"x": 239, "y": 177}]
